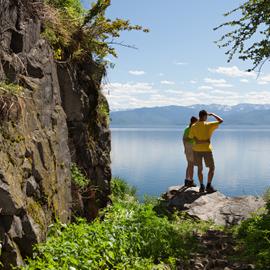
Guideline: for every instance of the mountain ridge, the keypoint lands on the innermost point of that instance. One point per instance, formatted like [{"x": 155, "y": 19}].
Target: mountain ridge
[{"x": 240, "y": 114}]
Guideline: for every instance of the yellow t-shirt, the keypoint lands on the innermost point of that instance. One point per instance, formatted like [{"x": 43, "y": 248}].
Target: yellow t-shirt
[{"x": 203, "y": 131}]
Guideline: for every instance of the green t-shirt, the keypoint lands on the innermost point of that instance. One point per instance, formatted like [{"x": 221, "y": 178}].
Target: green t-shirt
[{"x": 186, "y": 135}]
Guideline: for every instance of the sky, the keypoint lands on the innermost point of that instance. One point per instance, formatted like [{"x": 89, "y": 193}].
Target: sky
[{"x": 178, "y": 63}]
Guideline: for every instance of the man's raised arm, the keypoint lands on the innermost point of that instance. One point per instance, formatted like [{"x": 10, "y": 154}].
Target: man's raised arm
[{"x": 219, "y": 119}]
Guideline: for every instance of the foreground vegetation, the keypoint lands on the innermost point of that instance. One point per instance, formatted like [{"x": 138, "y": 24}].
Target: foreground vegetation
[
  {"x": 128, "y": 235},
  {"x": 131, "y": 235},
  {"x": 254, "y": 238}
]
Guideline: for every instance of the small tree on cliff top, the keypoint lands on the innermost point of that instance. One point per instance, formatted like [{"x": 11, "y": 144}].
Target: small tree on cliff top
[
  {"x": 250, "y": 37},
  {"x": 77, "y": 33}
]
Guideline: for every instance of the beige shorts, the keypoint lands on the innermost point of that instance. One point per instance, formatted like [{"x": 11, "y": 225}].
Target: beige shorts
[
  {"x": 189, "y": 152},
  {"x": 207, "y": 157}
]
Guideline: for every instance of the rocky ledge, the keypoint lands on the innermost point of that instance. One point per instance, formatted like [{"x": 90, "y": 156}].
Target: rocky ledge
[{"x": 215, "y": 207}]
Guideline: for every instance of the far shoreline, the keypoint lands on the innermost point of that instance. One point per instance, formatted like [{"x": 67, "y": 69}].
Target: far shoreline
[{"x": 223, "y": 127}]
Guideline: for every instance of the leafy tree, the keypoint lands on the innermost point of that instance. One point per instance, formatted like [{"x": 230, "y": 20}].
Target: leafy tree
[
  {"x": 77, "y": 33},
  {"x": 71, "y": 6},
  {"x": 250, "y": 37}
]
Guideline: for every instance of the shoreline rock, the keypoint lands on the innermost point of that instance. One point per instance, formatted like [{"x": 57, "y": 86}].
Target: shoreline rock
[{"x": 215, "y": 207}]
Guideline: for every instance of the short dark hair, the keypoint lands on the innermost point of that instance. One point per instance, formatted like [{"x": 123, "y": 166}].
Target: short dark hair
[
  {"x": 193, "y": 120},
  {"x": 202, "y": 113}
]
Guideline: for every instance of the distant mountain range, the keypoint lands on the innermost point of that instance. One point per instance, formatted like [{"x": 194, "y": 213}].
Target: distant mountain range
[{"x": 242, "y": 114}]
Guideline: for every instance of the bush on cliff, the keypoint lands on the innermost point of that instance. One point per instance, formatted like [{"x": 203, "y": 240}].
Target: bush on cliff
[
  {"x": 129, "y": 235},
  {"x": 78, "y": 177},
  {"x": 76, "y": 33},
  {"x": 72, "y": 7}
]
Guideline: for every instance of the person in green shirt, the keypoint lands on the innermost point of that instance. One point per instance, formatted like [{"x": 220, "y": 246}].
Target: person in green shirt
[{"x": 188, "y": 146}]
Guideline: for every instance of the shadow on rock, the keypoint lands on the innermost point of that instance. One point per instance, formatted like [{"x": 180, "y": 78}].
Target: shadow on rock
[{"x": 215, "y": 207}]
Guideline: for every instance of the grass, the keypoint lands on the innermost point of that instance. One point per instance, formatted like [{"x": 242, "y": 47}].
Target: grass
[{"x": 130, "y": 235}]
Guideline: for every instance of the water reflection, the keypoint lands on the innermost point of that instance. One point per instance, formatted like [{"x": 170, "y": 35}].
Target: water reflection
[{"x": 153, "y": 159}]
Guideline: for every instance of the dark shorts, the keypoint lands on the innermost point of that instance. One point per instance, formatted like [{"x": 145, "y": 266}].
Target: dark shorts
[{"x": 207, "y": 157}]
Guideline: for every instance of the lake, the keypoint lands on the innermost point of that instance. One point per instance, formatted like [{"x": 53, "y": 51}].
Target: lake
[{"x": 152, "y": 159}]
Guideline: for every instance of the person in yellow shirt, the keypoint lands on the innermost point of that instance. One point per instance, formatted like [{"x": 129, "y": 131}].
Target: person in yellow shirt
[{"x": 201, "y": 132}]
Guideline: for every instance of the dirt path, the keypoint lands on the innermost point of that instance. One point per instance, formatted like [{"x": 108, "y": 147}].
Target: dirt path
[{"x": 216, "y": 250}]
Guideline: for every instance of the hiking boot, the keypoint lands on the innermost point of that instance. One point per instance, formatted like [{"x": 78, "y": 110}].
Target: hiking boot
[
  {"x": 202, "y": 188},
  {"x": 210, "y": 189},
  {"x": 189, "y": 183}
]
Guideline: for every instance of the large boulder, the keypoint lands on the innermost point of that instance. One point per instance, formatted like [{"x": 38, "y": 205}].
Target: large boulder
[{"x": 215, "y": 207}]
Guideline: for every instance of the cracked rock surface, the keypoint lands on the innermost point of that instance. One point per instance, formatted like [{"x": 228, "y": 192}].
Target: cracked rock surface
[
  {"x": 52, "y": 121},
  {"x": 216, "y": 207}
]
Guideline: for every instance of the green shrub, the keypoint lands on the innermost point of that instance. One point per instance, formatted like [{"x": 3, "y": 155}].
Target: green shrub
[
  {"x": 75, "y": 33},
  {"x": 120, "y": 189},
  {"x": 104, "y": 113},
  {"x": 267, "y": 199},
  {"x": 129, "y": 236},
  {"x": 254, "y": 237},
  {"x": 73, "y": 7},
  {"x": 78, "y": 177}
]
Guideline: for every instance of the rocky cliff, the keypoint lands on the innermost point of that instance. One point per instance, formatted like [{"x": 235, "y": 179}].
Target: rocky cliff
[{"x": 51, "y": 114}]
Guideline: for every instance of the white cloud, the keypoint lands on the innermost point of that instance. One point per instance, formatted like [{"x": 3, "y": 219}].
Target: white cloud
[
  {"x": 233, "y": 71},
  {"x": 129, "y": 88},
  {"x": 167, "y": 82},
  {"x": 264, "y": 79},
  {"x": 224, "y": 85},
  {"x": 174, "y": 92},
  {"x": 161, "y": 74},
  {"x": 137, "y": 72},
  {"x": 244, "y": 81},
  {"x": 179, "y": 63},
  {"x": 193, "y": 81},
  {"x": 221, "y": 83},
  {"x": 214, "y": 81},
  {"x": 262, "y": 82},
  {"x": 134, "y": 95},
  {"x": 205, "y": 87}
]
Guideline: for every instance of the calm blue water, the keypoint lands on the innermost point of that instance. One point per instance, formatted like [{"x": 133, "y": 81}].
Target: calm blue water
[{"x": 153, "y": 159}]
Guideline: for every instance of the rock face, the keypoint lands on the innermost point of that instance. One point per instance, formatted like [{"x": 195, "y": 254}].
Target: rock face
[
  {"x": 87, "y": 120},
  {"x": 57, "y": 116},
  {"x": 214, "y": 207}
]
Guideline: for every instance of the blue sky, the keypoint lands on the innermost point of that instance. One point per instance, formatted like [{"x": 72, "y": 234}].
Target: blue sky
[{"x": 177, "y": 63}]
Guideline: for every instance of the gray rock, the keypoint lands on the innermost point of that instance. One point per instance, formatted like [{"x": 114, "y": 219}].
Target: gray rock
[
  {"x": 10, "y": 254},
  {"x": 216, "y": 207},
  {"x": 89, "y": 141},
  {"x": 16, "y": 229},
  {"x": 31, "y": 188},
  {"x": 55, "y": 119},
  {"x": 7, "y": 204}
]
